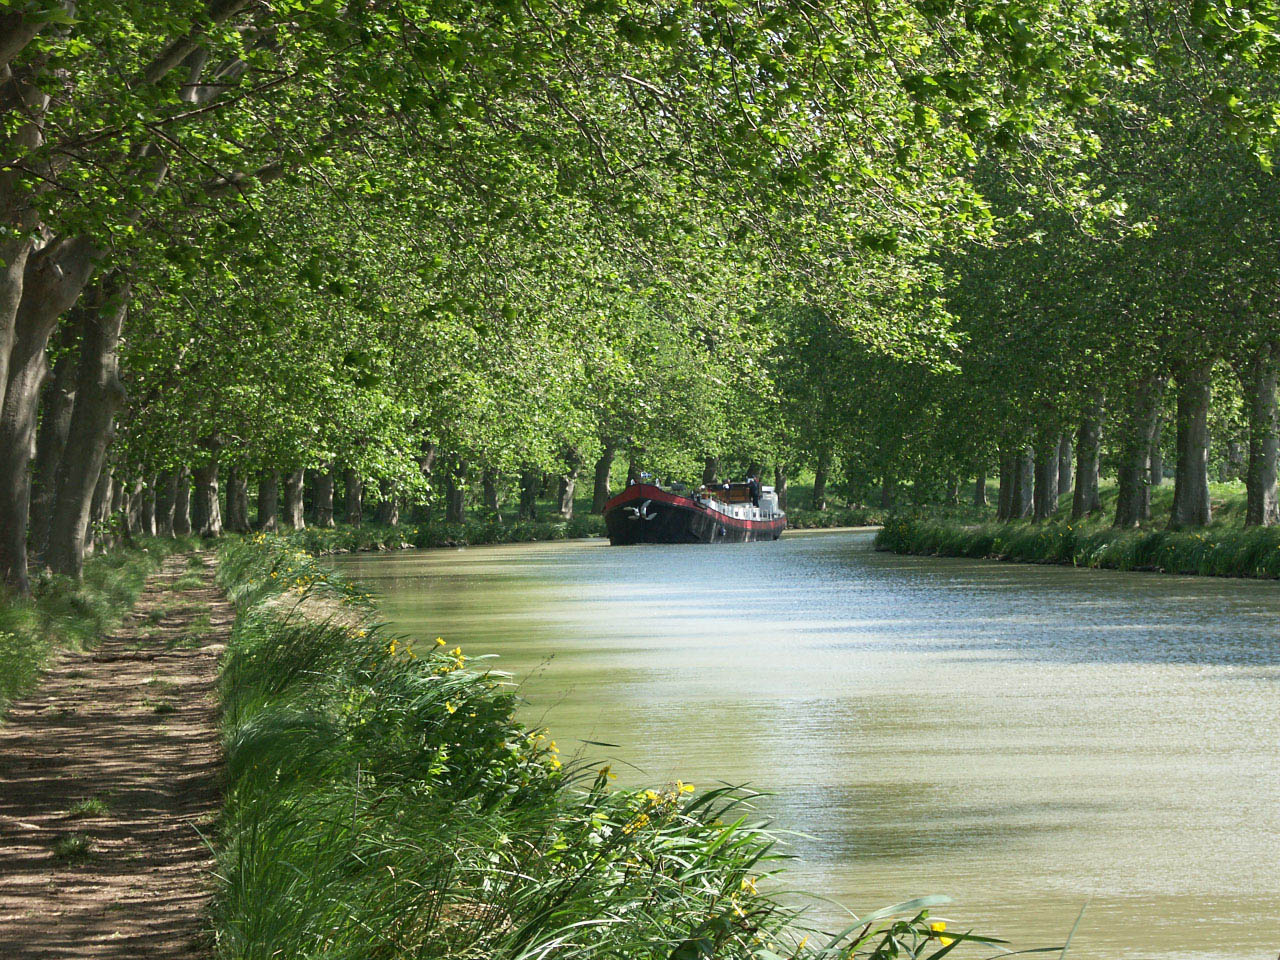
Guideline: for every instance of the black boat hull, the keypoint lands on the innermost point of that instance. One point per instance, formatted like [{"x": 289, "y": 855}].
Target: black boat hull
[{"x": 647, "y": 514}]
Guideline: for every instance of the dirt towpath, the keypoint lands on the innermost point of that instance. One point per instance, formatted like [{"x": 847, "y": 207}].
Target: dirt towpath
[{"x": 109, "y": 783}]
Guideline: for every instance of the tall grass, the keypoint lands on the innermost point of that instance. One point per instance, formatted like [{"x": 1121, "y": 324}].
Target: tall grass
[
  {"x": 383, "y": 802},
  {"x": 1221, "y": 551},
  {"x": 63, "y": 613}
]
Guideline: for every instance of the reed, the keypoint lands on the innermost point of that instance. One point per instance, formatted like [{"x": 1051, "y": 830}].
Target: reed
[{"x": 384, "y": 802}]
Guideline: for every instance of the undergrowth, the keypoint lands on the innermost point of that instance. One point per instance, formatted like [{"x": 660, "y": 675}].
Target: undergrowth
[
  {"x": 63, "y": 613},
  {"x": 383, "y": 802}
]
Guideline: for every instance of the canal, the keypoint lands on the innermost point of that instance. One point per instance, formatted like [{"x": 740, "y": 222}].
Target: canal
[{"x": 1024, "y": 739}]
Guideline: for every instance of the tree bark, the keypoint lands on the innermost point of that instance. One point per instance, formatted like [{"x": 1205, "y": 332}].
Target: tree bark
[
  {"x": 206, "y": 509},
  {"x": 710, "y": 467},
  {"x": 1261, "y": 506},
  {"x": 99, "y": 393},
  {"x": 780, "y": 485},
  {"x": 1008, "y": 480},
  {"x": 530, "y": 480},
  {"x": 1022, "y": 495},
  {"x": 182, "y": 504},
  {"x": 51, "y": 440},
  {"x": 980, "y": 488},
  {"x": 324, "y": 497},
  {"x": 237, "y": 500},
  {"x": 1191, "y": 475},
  {"x": 148, "y": 510},
  {"x": 489, "y": 491},
  {"x": 269, "y": 500},
  {"x": 51, "y": 283},
  {"x": 133, "y": 515},
  {"x": 166, "y": 500},
  {"x": 600, "y": 487},
  {"x": 1133, "y": 472},
  {"x": 1046, "y": 479},
  {"x": 99, "y": 510},
  {"x": 568, "y": 483},
  {"x": 1085, "y": 500},
  {"x": 888, "y": 490},
  {"x": 353, "y": 494},
  {"x": 389, "y": 506},
  {"x": 294, "y": 485},
  {"x": 455, "y": 492},
  {"x": 26, "y": 103},
  {"x": 820, "y": 472},
  {"x": 953, "y": 490},
  {"x": 1155, "y": 458},
  {"x": 1065, "y": 465}
]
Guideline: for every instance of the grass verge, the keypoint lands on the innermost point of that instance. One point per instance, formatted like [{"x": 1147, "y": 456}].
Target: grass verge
[
  {"x": 1221, "y": 551},
  {"x": 383, "y": 802},
  {"x": 63, "y": 613}
]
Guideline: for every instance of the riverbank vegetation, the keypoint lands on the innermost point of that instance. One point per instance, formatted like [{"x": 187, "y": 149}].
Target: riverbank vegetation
[
  {"x": 1227, "y": 548},
  {"x": 381, "y": 792}
]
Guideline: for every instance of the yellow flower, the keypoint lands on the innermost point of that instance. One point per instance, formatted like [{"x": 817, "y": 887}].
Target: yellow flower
[
  {"x": 451, "y": 707},
  {"x": 439, "y": 641},
  {"x": 607, "y": 772},
  {"x": 937, "y": 927}
]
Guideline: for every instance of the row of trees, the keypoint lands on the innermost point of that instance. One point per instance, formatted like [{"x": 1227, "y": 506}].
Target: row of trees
[{"x": 413, "y": 246}]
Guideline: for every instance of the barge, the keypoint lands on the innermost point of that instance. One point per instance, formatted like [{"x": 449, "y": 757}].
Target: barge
[{"x": 727, "y": 513}]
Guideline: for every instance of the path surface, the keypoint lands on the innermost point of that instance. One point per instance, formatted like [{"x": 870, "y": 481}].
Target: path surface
[{"x": 128, "y": 732}]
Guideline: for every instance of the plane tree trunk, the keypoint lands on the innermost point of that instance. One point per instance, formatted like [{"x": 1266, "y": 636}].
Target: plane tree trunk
[
  {"x": 294, "y": 484},
  {"x": 166, "y": 500},
  {"x": 324, "y": 497},
  {"x": 1133, "y": 470},
  {"x": 52, "y": 282},
  {"x": 206, "y": 510},
  {"x": 353, "y": 496},
  {"x": 182, "y": 504},
  {"x": 1259, "y": 382},
  {"x": 90, "y": 430},
  {"x": 269, "y": 500},
  {"x": 1191, "y": 478},
  {"x": 237, "y": 500},
  {"x": 820, "y": 471},
  {"x": 1045, "y": 496},
  {"x": 600, "y": 487},
  {"x": 1085, "y": 500}
]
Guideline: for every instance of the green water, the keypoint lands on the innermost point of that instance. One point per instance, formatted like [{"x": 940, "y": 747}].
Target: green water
[{"x": 1021, "y": 738}]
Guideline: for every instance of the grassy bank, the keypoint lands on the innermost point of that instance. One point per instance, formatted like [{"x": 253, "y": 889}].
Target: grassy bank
[
  {"x": 384, "y": 802},
  {"x": 1222, "y": 550},
  {"x": 63, "y": 613}
]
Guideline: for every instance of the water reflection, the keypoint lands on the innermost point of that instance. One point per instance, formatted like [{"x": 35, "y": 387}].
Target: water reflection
[{"x": 1019, "y": 737}]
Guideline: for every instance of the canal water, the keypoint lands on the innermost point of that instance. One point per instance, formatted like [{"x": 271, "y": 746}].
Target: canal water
[{"x": 1024, "y": 739}]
